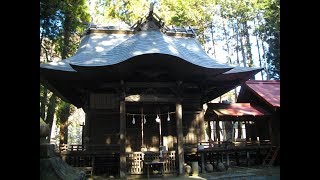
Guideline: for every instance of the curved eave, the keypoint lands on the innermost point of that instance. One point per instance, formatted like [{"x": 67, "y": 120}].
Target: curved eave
[
  {"x": 238, "y": 73},
  {"x": 57, "y": 81},
  {"x": 229, "y": 80},
  {"x": 153, "y": 65},
  {"x": 238, "y": 69},
  {"x": 58, "y": 66},
  {"x": 52, "y": 88}
]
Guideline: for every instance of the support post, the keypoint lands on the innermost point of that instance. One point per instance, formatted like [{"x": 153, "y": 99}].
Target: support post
[
  {"x": 228, "y": 161},
  {"x": 86, "y": 131},
  {"x": 123, "y": 163},
  {"x": 180, "y": 136},
  {"x": 246, "y": 125},
  {"x": 82, "y": 134},
  {"x": 239, "y": 129},
  {"x": 248, "y": 158},
  {"x": 218, "y": 131},
  {"x": 270, "y": 129},
  {"x": 160, "y": 137},
  {"x": 142, "y": 122},
  {"x": 202, "y": 162},
  {"x": 209, "y": 133}
]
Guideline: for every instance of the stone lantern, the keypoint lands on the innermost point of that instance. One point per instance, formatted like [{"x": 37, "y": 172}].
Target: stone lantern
[{"x": 53, "y": 167}]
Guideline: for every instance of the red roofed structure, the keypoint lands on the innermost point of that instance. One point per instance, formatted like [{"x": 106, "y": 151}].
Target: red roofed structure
[
  {"x": 237, "y": 109},
  {"x": 254, "y": 119},
  {"x": 267, "y": 91},
  {"x": 265, "y": 94}
]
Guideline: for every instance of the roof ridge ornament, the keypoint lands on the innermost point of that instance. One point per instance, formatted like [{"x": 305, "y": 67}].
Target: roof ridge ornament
[{"x": 151, "y": 7}]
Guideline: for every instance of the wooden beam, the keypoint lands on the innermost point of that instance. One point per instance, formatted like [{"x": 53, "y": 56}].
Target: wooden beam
[
  {"x": 141, "y": 85},
  {"x": 150, "y": 98},
  {"x": 150, "y": 84}
]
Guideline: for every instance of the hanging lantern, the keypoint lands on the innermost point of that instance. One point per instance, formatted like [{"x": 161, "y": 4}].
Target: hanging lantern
[
  {"x": 158, "y": 119},
  {"x": 133, "y": 120},
  {"x": 168, "y": 119}
]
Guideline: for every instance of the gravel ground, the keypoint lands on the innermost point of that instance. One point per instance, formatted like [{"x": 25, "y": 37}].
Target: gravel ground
[{"x": 233, "y": 173}]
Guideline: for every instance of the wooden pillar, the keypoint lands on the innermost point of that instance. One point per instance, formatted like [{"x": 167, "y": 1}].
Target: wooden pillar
[
  {"x": 214, "y": 123},
  {"x": 270, "y": 129},
  {"x": 239, "y": 129},
  {"x": 218, "y": 131},
  {"x": 202, "y": 162},
  {"x": 228, "y": 161},
  {"x": 87, "y": 126},
  {"x": 209, "y": 130},
  {"x": 255, "y": 132},
  {"x": 82, "y": 134},
  {"x": 237, "y": 158},
  {"x": 123, "y": 163},
  {"x": 246, "y": 125},
  {"x": 180, "y": 136},
  {"x": 142, "y": 122},
  {"x": 248, "y": 158}
]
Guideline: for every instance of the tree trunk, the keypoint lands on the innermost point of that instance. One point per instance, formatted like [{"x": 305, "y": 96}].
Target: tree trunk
[
  {"x": 242, "y": 47},
  {"x": 45, "y": 92},
  {"x": 264, "y": 51},
  {"x": 63, "y": 116},
  {"x": 236, "y": 32},
  {"x": 247, "y": 44},
  {"x": 50, "y": 112},
  {"x": 43, "y": 102},
  {"x": 227, "y": 43},
  {"x": 213, "y": 43},
  {"x": 66, "y": 38},
  {"x": 63, "y": 133},
  {"x": 264, "y": 57},
  {"x": 258, "y": 51},
  {"x": 42, "y": 34}
]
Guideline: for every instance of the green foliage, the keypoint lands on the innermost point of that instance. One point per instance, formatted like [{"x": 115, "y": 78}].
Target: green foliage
[
  {"x": 49, "y": 18},
  {"x": 188, "y": 13},
  {"x": 272, "y": 31},
  {"x": 75, "y": 16},
  {"x": 63, "y": 112},
  {"x": 125, "y": 10},
  {"x": 61, "y": 22}
]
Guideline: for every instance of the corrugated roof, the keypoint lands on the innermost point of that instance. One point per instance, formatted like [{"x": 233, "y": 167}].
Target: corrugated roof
[
  {"x": 237, "y": 109},
  {"x": 100, "y": 49},
  {"x": 147, "y": 36},
  {"x": 267, "y": 90}
]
